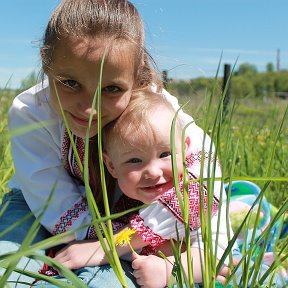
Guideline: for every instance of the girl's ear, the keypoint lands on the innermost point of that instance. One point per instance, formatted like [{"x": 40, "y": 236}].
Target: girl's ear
[
  {"x": 43, "y": 58},
  {"x": 43, "y": 55},
  {"x": 109, "y": 165}
]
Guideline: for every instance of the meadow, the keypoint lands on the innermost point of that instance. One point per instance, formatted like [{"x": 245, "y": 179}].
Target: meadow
[{"x": 252, "y": 144}]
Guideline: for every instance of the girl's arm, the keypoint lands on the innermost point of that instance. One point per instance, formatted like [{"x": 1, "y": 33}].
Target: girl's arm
[
  {"x": 79, "y": 254},
  {"x": 39, "y": 171}
]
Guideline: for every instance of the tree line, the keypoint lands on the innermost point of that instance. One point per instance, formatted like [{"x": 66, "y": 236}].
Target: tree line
[{"x": 246, "y": 81}]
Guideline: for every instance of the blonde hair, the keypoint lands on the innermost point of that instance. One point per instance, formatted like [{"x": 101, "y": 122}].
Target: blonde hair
[
  {"x": 113, "y": 20},
  {"x": 134, "y": 125}
]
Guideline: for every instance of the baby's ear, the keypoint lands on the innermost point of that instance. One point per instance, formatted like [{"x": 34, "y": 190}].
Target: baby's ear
[
  {"x": 187, "y": 143},
  {"x": 109, "y": 165}
]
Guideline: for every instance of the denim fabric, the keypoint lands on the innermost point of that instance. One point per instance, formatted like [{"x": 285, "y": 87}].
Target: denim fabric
[
  {"x": 103, "y": 276},
  {"x": 24, "y": 263},
  {"x": 16, "y": 210},
  {"x": 98, "y": 277}
]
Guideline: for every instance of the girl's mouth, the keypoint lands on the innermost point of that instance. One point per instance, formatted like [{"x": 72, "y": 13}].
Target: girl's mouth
[{"x": 81, "y": 121}]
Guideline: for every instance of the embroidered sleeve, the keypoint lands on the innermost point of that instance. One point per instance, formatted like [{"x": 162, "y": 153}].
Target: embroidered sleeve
[
  {"x": 116, "y": 226},
  {"x": 145, "y": 232},
  {"x": 124, "y": 203},
  {"x": 39, "y": 171},
  {"x": 163, "y": 219}
]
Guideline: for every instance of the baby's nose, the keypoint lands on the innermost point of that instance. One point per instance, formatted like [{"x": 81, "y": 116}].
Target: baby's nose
[{"x": 153, "y": 172}]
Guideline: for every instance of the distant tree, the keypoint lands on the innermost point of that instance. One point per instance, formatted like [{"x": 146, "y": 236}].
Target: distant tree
[
  {"x": 242, "y": 87},
  {"x": 263, "y": 85},
  {"x": 200, "y": 83},
  {"x": 270, "y": 67},
  {"x": 281, "y": 83},
  {"x": 246, "y": 69}
]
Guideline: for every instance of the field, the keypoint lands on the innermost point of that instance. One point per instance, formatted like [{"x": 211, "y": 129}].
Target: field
[
  {"x": 6, "y": 165},
  {"x": 253, "y": 123},
  {"x": 251, "y": 139}
]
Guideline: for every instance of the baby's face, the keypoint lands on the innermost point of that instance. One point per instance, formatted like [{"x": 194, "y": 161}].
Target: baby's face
[
  {"x": 145, "y": 172},
  {"x": 76, "y": 69}
]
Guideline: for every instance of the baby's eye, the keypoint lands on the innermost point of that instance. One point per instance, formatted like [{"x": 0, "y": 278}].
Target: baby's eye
[
  {"x": 70, "y": 83},
  {"x": 111, "y": 89},
  {"x": 134, "y": 160},
  {"x": 165, "y": 154}
]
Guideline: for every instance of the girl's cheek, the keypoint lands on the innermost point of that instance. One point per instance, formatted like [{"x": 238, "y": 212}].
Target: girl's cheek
[{"x": 54, "y": 104}]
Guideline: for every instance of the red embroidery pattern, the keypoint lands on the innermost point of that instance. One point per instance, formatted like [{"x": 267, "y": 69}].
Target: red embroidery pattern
[
  {"x": 170, "y": 201},
  {"x": 46, "y": 269},
  {"x": 123, "y": 204},
  {"x": 145, "y": 232},
  {"x": 92, "y": 233},
  {"x": 148, "y": 250},
  {"x": 70, "y": 216},
  {"x": 68, "y": 156},
  {"x": 71, "y": 166},
  {"x": 195, "y": 158},
  {"x": 116, "y": 226}
]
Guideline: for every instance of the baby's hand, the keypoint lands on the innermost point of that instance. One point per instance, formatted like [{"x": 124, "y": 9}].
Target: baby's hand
[
  {"x": 149, "y": 271},
  {"x": 225, "y": 272},
  {"x": 79, "y": 254}
]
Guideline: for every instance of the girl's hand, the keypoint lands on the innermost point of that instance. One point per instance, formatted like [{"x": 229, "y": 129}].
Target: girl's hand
[
  {"x": 149, "y": 271},
  {"x": 79, "y": 254}
]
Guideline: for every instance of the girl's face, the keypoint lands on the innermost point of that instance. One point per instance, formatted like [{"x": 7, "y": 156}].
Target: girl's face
[
  {"x": 146, "y": 173},
  {"x": 76, "y": 70}
]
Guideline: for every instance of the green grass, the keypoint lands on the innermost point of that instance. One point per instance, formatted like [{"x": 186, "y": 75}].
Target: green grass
[
  {"x": 252, "y": 144},
  {"x": 254, "y": 124},
  {"x": 6, "y": 166}
]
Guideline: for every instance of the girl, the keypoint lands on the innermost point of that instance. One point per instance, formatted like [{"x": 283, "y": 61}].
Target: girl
[{"x": 77, "y": 36}]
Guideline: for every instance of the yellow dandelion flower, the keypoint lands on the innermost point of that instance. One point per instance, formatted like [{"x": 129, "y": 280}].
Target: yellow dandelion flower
[{"x": 125, "y": 237}]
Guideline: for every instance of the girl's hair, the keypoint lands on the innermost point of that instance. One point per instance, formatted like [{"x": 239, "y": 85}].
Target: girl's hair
[
  {"x": 118, "y": 23},
  {"x": 111, "y": 20}
]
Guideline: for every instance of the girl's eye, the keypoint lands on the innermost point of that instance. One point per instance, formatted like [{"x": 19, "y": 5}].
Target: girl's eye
[
  {"x": 70, "y": 83},
  {"x": 111, "y": 89},
  {"x": 165, "y": 154},
  {"x": 134, "y": 160}
]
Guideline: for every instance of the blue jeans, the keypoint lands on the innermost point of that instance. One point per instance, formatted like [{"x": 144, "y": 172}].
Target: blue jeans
[
  {"x": 17, "y": 209},
  {"x": 10, "y": 241},
  {"x": 98, "y": 277},
  {"x": 102, "y": 276}
]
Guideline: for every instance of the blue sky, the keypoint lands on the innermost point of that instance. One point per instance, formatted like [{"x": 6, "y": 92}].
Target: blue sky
[{"x": 186, "y": 37}]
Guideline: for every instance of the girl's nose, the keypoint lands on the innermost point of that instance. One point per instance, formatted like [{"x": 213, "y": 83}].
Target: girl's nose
[{"x": 85, "y": 103}]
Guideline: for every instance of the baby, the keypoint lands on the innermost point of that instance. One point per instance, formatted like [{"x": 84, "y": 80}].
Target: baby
[{"x": 137, "y": 152}]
